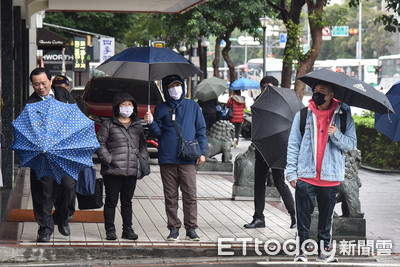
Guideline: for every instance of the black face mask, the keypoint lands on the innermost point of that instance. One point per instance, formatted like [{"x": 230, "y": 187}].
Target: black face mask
[{"x": 318, "y": 98}]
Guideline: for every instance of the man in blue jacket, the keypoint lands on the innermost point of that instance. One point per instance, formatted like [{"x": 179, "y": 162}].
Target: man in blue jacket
[
  {"x": 315, "y": 166},
  {"x": 176, "y": 172}
]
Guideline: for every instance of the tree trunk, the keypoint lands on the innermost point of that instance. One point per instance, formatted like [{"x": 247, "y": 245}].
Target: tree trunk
[
  {"x": 202, "y": 60},
  {"x": 229, "y": 62},
  {"x": 286, "y": 78},
  {"x": 289, "y": 15},
  {"x": 217, "y": 52},
  {"x": 314, "y": 11}
]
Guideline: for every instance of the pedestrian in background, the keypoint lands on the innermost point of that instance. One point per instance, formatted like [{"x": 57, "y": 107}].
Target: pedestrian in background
[
  {"x": 261, "y": 170},
  {"x": 210, "y": 113},
  {"x": 175, "y": 172},
  {"x": 239, "y": 104},
  {"x": 316, "y": 165},
  {"x": 119, "y": 162},
  {"x": 46, "y": 190},
  {"x": 61, "y": 80}
]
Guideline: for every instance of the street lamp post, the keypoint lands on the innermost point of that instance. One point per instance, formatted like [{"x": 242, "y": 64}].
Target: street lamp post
[{"x": 264, "y": 21}]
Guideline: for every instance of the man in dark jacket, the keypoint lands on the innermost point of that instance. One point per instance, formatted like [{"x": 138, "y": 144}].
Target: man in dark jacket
[
  {"x": 176, "y": 172},
  {"x": 261, "y": 170},
  {"x": 45, "y": 190}
]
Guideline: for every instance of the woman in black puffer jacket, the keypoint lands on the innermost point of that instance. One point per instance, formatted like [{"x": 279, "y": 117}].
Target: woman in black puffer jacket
[{"x": 119, "y": 162}]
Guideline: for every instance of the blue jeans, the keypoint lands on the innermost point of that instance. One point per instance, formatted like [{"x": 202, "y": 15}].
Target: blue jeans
[{"x": 305, "y": 202}]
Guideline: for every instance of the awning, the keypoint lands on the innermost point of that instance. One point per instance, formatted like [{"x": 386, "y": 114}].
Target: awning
[
  {"x": 148, "y": 6},
  {"x": 47, "y": 39}
]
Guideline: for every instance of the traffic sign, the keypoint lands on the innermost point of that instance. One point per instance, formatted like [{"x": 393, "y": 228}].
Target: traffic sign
[
  {"x": 326, "y": 31},
  {"x": 159, "y": 44},
  {"x": 249, "y": 40},
  {"x": 338, "y": 31},
  {"x": 283, "y": 38}
]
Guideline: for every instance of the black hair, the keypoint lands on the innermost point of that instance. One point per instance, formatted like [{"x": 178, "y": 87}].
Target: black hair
[
  {"x": 269, "y": 79},
  {"x": 237, "y": 92},
  {"x": 329, "y": 85},
  {"x": 39, "y": 71}
]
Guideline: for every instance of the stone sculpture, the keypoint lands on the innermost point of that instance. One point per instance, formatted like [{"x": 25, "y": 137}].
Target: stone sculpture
[
  {"x": 243, "y": 172},
  {"x": 349, "y": 189},
  {"x": 219, "y": 141}
]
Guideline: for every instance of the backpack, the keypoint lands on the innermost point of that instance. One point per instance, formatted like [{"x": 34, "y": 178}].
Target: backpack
[{"x": 303, "y": 117}]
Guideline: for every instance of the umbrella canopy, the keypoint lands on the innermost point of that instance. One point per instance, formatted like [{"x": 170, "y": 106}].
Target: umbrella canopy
[
  {"x": 210, "y": 88},
  {"x": 148, "y": 64},
  {"x": 350, "y": 91},
  {"x": 272, "y": 116},
  {"x": 55, "y": 139},
  {"x": 244, "y": 84},
  {"x": 389, "y": 124}
]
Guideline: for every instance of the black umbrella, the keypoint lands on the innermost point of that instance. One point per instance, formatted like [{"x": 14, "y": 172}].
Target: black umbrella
[
  {"x": 272, "y": 115},
  {"x": 350, "y": 91}
]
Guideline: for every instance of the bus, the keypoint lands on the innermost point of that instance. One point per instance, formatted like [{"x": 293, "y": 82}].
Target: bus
[
  {"x": 350, "y": 67},
  {"x": 273, "y": 67},
  {"x": 388, "y": 71}
]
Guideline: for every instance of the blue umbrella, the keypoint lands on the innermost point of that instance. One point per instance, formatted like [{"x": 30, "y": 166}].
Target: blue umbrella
[
  {"x": 55, "y": 139},
  {"x": 244, "y": 84},
  {"x": 388, "y": 123},
  {"x": 148, "y": 64}
]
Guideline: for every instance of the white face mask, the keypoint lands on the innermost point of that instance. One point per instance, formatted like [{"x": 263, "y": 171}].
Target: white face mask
[
  {"x": 175, "y": 92},
  {"x": 125, "y": 112}
]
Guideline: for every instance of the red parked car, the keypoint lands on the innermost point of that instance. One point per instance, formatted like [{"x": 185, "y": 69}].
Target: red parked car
[{"x": 96, "y": 101}]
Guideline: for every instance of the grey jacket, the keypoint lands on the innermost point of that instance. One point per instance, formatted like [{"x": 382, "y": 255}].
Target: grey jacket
[{"x": 115, "y": 152}]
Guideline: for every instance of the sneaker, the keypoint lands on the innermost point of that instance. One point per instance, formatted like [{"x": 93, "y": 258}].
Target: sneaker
[
  {"x": 301, "y": 257},
  {"x": 110, "y": 235},
  {"x": 173, "y": 234},
  {"x": 235, "y": 143},
  {"x": 326, "y": 257},
  {"x": 191, "y": 235},
  {"x": 129, "y": 234}
]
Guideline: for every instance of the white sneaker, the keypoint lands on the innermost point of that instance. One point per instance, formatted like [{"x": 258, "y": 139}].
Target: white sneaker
[
  {"x": 301, "y": 257},
  {"x": 235, "y": 142},
  {"x": 326, "y": 257}
]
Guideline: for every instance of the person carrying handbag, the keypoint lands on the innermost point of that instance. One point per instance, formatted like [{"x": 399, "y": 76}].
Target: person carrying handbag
[
  {"x": 177, "y": 172},
  {"x": 119, "y": 162}
]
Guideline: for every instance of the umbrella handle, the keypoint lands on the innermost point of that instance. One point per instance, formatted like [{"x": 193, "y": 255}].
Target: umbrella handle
[
  {"x": 148, "y": 97},
  {"x": 335, "y": 114}
]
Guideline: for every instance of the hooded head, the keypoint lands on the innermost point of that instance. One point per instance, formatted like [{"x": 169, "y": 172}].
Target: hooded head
[
  {"x": 167, "y": 81},
  {"x": 121, "y": 97}
]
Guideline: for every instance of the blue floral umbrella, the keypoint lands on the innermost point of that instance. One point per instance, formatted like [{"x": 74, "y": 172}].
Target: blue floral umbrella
[
  {"x": 55, "y": 139},
  {"x": 244, "y": 84}
]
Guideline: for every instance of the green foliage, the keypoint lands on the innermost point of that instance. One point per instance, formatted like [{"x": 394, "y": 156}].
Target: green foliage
[
  {"x": 144, "y": 28},
  {"x": 106, "y": 23},
  {"x": 374, "y": 45},
  {"x": 376, "y": 149},
  {"x": 294, "y": 50},
  {"x": 388, "y": 19}
]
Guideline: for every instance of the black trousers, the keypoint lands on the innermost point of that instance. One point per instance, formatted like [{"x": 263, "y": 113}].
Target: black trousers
[
  {"x": 114, "y": 187},
  {"x": 237, "y": 125},
  {"x": 210, "y": 119},
  {"x": 43, "y": 192},
  {"x": 260, "y": 172}
]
